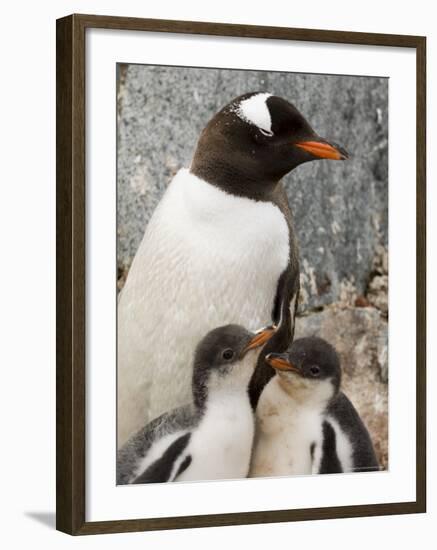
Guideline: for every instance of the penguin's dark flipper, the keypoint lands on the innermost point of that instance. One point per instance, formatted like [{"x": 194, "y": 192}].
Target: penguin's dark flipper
[
  {"x": 330, "y": 463},
  {"x": 160, "y": 470},
  {"x": 283, "y": 314},
  {"x": 364, "y": 456}
]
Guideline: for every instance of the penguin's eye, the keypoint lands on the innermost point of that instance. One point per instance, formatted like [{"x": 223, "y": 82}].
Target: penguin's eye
[
  {"x": 315, "y": 370},
  {"x": 228, "y": 354}
]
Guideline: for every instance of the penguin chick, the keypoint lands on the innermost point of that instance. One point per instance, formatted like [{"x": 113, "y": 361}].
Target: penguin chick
[
  {"x": 305, "y": 424},
  {"x": 212, "y": 437}
]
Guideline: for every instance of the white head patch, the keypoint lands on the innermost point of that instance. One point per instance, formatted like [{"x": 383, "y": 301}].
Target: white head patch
[{"x": 254, "y": 110}]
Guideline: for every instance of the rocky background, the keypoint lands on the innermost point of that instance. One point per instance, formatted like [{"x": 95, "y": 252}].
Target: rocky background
[{"x": 340, "y": 208}]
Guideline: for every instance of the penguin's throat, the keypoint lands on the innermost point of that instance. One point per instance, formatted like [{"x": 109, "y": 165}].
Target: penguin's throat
[
  {"x": 233, "y": 179},
  {"x": 219, "y": 388},
  {"x": 314, "y": 394},
  {"x": 225, "y": 398},
  {"x": 234, "y": 383},
  {"x": 223, "y": 387}
]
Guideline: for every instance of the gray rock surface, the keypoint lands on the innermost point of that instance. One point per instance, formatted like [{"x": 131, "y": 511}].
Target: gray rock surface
[
  {"x": 351, "y": 330},
  {"x": 340, "y": 209},
  {"x": 377, "y": 291}
]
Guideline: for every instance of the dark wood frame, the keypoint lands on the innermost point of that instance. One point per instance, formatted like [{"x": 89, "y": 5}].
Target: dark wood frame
[{"x": 70, "y": 274}]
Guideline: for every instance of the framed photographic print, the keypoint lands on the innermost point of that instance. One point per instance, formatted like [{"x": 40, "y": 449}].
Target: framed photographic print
[{"x": 240, "y": 274}]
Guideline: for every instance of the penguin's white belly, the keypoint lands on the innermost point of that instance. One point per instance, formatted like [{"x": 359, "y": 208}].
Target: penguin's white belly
[
  {"x": 285, "y": 434},
  {"x": 220, "y": 448},
  {"x": 207, "y": 259}
]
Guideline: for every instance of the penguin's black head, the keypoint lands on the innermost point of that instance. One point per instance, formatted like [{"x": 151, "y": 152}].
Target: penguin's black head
[
  {"x": 310, "y": 360},
  {"x": 254, "y": 141},
  {"x": 226, "y": 356}
]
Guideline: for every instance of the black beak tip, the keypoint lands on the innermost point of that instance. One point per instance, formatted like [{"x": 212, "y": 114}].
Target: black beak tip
[{"x": 344, "y": 154}]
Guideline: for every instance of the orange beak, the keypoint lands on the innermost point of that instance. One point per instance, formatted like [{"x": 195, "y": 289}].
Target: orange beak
[
  {"x": 259, "y": 339},
  {"x": 280, "y": 361},
  {"x": 323, "y": 150}
]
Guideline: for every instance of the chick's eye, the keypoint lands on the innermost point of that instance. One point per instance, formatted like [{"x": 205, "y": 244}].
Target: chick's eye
[
  {"x": 228, "y": 354},
  {"x": 267, "y": 133},
  {"x": 315, "y": 370}
]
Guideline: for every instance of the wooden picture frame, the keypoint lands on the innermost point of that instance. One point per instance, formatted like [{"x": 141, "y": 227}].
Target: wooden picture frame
[{"x": 71, "y": 283}]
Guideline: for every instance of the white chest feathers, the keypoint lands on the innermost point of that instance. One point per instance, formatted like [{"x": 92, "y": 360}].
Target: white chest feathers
[
  {"x": 289, "y": 434},
  {"x": 207, "y": 259},
  {"x": 221, "y": 446}
]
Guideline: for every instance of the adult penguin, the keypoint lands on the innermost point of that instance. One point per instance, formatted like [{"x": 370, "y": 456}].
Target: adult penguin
[{"x": 220, "y": 248}]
